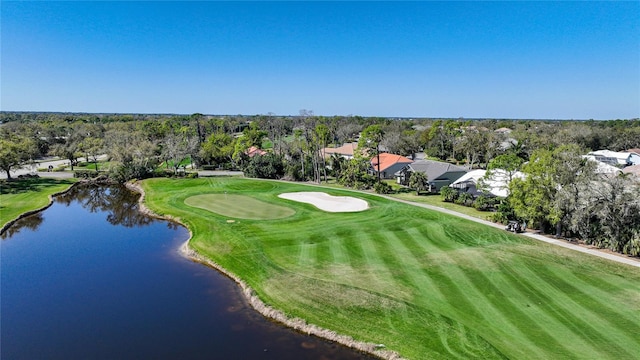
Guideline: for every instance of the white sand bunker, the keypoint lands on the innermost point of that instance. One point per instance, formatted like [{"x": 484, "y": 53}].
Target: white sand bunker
[{"x": 326, "y": 202}]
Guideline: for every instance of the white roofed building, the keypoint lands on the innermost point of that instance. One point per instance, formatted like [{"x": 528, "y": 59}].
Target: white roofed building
[
  {"x": 603, "y": 167},
  {"x": 477, "y": 182},
  {"x": 616, "y": 158}
]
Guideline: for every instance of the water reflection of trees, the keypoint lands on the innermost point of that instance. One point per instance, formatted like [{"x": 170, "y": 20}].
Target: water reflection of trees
[
  {"x": 30, "y": 222},
  {"x": 120, "y": 203}
]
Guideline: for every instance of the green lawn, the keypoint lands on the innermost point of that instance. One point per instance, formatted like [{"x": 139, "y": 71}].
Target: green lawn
[
  {"x": 436, "y": 200},
  {"x": 425, "y": 284},
  {"x": 20, "y": 196},
  {"x": 239, "y": 206}
]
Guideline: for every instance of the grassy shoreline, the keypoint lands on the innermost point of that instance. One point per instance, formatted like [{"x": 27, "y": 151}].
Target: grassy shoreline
[
  {"x": 21, "y": 198},
  {"x": 424, "y": 284}
]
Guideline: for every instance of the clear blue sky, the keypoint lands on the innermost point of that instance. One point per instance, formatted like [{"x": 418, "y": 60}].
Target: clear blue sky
[{"x": 559, "y": 60}]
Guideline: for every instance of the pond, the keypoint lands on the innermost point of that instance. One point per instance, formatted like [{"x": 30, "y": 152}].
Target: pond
[{"x": 92, "y": 277}]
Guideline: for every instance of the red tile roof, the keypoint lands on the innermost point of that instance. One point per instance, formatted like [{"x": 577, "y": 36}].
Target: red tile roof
[
  {"x": 387, "y": 160},
  {"x": 635, "y": 169},
  {"x": 253, "y": 151},
  {"x": 346, "y": 149}
]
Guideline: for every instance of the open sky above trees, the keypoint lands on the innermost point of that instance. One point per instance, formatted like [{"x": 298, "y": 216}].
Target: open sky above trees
[{"x": 548, "y": 60}]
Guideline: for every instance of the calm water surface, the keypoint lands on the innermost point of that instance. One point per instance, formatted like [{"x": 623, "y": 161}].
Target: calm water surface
[{"x": 92, "y": 278}]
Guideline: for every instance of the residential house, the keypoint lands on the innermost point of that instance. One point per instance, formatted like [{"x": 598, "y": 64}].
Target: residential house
[
  {"x": 253, "y": 151},
  {"x": 616, "y": 158},
  {"x": 346, "y": 151},
  {"x": 438, "y": 173},
  {"x": 635, "y": 156},
  {"x": 476, "y": 182},
  {"x": 603, "y": 167},
  {"x": 634, "y": 150},
  {"x": 469, "y": 182},
  {"x": 389, "y": 164},
  {"x": 634, "y": 170},
  {"x": 503, "y": 130}
]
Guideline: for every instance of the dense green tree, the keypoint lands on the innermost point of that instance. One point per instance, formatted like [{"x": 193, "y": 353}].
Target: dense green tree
[
  {"x": 218, "y": 149},
  {"x": 269, "y": 166},
  {"x": 15, "y": 151},
  {"x": 549, "y": 174},
  {"x": 532, "y": 198},
  {"x": 356, "y": 174},
  {"x": 253, "y": 135},
  {"x": 439, "y": 140}
]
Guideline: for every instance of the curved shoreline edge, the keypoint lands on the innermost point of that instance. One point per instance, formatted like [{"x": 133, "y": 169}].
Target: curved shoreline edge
[
  {"x": 254, "y": 301},
  {"x": 6, "y": 226}
]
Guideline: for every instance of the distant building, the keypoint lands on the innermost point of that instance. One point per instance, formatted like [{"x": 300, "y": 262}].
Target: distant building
[
  {"x": 346, "y": 151},
  {"x": 439, "y": 174},
  {"x": 476, "y": 182},
  {"x": 616, "y": 158},
  {"x": 503, "y": 130},
  {"x": 635, "y": 155},
  {"x": 604, "y": 167},
  {"x": 389, "y": 164},
  {"x": 253, "y": 151},
  {"x": 634, "y": 170}
]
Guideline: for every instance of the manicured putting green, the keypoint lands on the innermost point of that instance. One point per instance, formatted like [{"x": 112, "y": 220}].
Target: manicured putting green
[{"x": 239, "y": 206}]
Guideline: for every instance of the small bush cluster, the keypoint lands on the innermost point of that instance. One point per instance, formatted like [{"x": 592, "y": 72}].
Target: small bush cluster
[
  {"x": 382, "y": 188},
  {"x": 481, "y": 203},
  {"x": 85, "y": 174}
]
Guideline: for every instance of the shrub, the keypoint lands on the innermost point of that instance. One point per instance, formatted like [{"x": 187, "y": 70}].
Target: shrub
[
  {"x": 382, "y": 188},
  {"x": 162, "y": 173},
  {"x": 85, "y": 174},
  {"x": 484, "y": 203},
  {"x": 448, "y": 194},
  {"x": 464, "y": 198},
  {"x": 504, "y": 212}
]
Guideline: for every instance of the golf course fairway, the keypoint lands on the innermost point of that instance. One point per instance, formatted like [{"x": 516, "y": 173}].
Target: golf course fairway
[{"x": 425, "y": 284}]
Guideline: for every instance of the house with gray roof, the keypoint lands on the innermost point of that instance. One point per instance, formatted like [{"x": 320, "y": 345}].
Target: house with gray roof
[{"x": 438, "y": 173}]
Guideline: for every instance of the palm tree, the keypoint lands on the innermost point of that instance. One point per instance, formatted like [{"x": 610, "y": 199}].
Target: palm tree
[{"x": 418, "y": 181}]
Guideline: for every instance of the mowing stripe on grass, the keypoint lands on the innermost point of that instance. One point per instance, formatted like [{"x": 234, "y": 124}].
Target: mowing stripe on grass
[
  {"x": 567, "y": 312},
  {"x": 629, "y": 320},
  {"x": 544, "y": 311},
  {"x": 465, "y": 292},
  {"x": 426, "y": 284}
]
